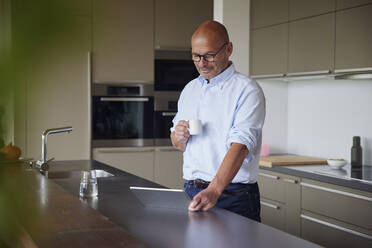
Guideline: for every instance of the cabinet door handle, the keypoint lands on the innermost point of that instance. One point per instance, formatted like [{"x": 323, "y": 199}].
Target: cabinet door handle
[
  {"x": 124, "y": 99},
  {"x": 361, "y": 197},
  {"x": 166, "y": 150},
  {"x": 325, "y": 223},
  {"x": 121, "y": 150},
  {"x": 168, "y": 113},
  {"x": 290, "y": 180},
  {"x": 268, "y": 176},
  {"x": 269, "y": 205}
]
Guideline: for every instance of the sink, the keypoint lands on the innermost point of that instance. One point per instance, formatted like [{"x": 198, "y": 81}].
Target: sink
[
  {"x": 55, "y": 174},
  {"x": 103, "y": 173}
]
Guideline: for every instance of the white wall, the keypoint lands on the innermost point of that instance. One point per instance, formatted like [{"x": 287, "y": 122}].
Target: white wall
[
  {"x": 323, "y": 115},
  {"x": 274, "y": 132}
]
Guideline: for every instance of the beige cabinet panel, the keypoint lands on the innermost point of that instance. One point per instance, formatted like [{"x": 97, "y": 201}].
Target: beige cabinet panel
[
  {"x": 57, "y": 95},
  {"x": 292, "y": 204},
  {"x": 168, "y": 165},
  {"x": 347, "y": 205},
  {"x": 304, "y": 8},
  {"x": 138, "y": 161},
  {"x": 331, "y": 233},
  {"x": 354, "y": 38},
  {"x": 271, "y": 186},
  {"x": 123, "y": 49},
  {"x": 176, "y": 20},
  {"x": 269, "y": 50},
  {"x": 273, "y": 214},
  {"x": 268, "y": 12},
  {"x": 280, "y": 201},
  {"x": 343, "y": 4},
  {"x": 311, "y": 44}
]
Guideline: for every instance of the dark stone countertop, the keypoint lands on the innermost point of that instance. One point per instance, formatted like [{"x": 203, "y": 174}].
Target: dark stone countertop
[
  {"x": 324, "y": 173},
  {"x": 160, "y": 227}
]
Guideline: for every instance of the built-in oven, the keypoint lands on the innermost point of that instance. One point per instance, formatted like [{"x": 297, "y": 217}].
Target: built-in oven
[
  {"x": 173, "y": 70},
  {"x": 165, "y": 110},
  {"x": 122, "y": 115}
]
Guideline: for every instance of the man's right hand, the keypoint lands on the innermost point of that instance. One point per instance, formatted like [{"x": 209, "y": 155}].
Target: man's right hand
[{"x": 180, "y": 135}]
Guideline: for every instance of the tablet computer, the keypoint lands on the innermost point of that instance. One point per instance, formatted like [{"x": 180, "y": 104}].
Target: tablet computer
[{"x": 162, "y": 198}]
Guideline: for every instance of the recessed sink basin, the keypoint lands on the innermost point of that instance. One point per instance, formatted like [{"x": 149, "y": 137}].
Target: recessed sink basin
[
  {"x": 67, "y": 174},
  {"x": 103, "y": 173}
]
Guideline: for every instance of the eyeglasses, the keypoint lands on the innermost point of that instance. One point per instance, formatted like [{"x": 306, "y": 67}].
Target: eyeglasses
[{"x": 209, "y": 57}]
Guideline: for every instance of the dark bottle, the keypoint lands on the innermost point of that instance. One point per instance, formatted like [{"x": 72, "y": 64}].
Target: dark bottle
[{"x": 356, "y": 153}]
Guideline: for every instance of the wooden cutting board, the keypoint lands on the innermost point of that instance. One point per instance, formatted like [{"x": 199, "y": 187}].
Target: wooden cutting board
[{"x": 271, "y": 161}]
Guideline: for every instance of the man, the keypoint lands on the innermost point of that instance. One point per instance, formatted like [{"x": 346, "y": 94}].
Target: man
[{"x": 221, "y": 164}]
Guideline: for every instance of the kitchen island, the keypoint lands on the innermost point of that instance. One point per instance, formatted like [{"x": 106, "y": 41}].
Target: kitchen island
[{"x": 157, "y": 227}]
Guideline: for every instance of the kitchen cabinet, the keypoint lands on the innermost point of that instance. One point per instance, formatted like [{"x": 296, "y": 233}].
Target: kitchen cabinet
[
  {"x": 268, "y": 12},
  {"x": 344, "y": 4},
  {"x": 311, "y": 44},
  {"x": 335, "y": 216},
  {"x": 123, "y": 41},
  {"x": 55, "y": 93},
  {"x": 135, "y": 160},
  {"x": 353, "y": 38},
  {"x": 168, "y": 164},
  {"x": 303, "y": 8},
  {"x": 280, "y": 201},
  {"x": 269, "y": 50},
  {"x": 176, "y": 20}
]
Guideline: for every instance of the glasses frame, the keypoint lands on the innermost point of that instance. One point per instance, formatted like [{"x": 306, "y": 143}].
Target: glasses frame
[{"x": 207, "y": 54}]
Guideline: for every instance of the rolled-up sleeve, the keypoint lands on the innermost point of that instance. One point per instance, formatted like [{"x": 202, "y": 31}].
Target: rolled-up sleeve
[{"x": 249, "y": 117}]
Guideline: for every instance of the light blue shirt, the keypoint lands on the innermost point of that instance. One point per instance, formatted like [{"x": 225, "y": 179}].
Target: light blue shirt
[{"x": 231, "y": 108}]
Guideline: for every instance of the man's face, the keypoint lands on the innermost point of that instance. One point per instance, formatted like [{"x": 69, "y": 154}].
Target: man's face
[{"x": 204, "y": 46}]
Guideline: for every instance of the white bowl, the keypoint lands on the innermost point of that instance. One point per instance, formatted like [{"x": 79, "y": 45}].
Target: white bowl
[{"x": 336, "y": 163}]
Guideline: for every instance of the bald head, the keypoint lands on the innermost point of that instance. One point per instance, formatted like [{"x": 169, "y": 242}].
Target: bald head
[
  {"x": 211, "y": 39},
  {"x": 212, "y": 31}
]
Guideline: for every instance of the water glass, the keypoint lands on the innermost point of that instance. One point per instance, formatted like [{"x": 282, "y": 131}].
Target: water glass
[{"x": 88, "y": 184}]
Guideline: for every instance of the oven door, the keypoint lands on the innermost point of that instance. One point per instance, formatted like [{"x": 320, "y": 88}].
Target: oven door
[
  {"x": 163, "y": 123},
  {"x": 123, "y": 121}
]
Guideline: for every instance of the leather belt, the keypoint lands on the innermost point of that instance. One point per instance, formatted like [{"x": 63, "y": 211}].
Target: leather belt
[{"x": 201, "y": 184}]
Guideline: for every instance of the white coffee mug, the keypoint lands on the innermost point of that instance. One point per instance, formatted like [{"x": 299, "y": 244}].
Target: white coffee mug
[{"x": 195, "y": 127}]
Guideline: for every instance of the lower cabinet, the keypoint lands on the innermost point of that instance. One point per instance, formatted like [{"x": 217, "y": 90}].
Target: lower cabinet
[
  {"x": 323, "y": 213},
  {"x": 135, "y": 160},
  {"x": 335, "y": 216},
  {"x": 332, "y": 233},
  {"x": 162, "y": 165},
  {"x": 280, "y": 201},
  {"x": 168, "y": 167}
]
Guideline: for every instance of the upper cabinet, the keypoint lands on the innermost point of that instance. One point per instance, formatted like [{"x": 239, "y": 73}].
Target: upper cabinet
[
  {"x": 344, "y": 4},
  {"x": 311, "y": 43},
  {"x": 354, "y": 38},
  {"x": 268, "y": 12},
  {"x": 320, "y": 38},
  {"x": 304, "y": 8},
  {"x": 270, "y": 50},
  {"x": 176, "y": 20},
  {"x": 123, "y": 47}
]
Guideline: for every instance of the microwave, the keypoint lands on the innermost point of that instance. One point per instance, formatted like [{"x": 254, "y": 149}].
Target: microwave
[{"x": 173, "y": 70}]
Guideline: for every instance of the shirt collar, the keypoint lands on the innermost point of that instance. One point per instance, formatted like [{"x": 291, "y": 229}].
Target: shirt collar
[{"x": 221, "y": 78}]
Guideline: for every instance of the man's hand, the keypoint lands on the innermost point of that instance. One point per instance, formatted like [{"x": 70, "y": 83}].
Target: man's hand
[
  {"x": 204, "y": 200},
  {"x": 180, "y": 135}
]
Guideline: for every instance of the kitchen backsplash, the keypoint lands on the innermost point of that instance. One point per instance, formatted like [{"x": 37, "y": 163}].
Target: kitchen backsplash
[{"x": 318, "y": 117}]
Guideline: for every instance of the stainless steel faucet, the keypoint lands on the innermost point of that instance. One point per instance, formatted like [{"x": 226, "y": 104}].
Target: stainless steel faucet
[{"x": 43, "y": 162}]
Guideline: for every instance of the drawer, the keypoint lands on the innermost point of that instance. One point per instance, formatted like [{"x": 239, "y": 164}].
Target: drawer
[
  {"x": 341, "y": 203},
  {"x": 331, "y": 233},
  {"x": 271, "y": 187},
  {"x": 273, "y": 214}
]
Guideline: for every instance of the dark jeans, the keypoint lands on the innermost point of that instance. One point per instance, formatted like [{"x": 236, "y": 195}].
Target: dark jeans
[{"x": 243, "y": 199}]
